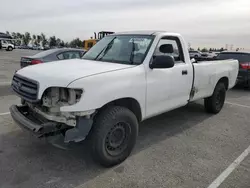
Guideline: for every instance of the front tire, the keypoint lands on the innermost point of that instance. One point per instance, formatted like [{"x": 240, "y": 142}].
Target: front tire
[
  {"x": 215, "y": 103},
  {"x": 9, "y": 48},
  {"x": 113, "y": 135}
]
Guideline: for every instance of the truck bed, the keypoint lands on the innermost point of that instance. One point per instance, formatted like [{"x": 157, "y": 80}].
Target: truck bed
[{"x": 207, "y": 73}]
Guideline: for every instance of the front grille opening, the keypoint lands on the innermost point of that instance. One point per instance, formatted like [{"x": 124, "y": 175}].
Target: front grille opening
[{"x": 25, "y": 88}]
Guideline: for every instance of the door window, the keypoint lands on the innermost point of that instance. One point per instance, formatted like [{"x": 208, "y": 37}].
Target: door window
[
  {"x": 177, "y": 50},
  {"x": 69, "y": 55}
]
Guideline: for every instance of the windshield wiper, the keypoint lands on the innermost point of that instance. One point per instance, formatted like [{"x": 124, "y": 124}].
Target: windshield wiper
[
  {"x": 105, "y": 50},
  {"x": 131, "y": 59}
]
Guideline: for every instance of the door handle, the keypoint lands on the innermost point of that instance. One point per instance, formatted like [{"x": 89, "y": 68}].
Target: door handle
[{"x": 184, "y": 72}]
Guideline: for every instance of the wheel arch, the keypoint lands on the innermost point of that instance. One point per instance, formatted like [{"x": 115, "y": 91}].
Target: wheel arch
[
  {"x": 225, "y": 81},
  {"x": 130, "y": 103}
]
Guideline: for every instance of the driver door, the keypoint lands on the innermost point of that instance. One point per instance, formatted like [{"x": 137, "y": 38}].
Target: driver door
[{"x": 168, "y": 88}]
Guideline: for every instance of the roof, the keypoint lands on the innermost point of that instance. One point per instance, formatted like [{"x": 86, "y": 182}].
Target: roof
[
  {"x": 240, "y": 51},
  {"x": 143, "y": 32},
  {"x": 106, "y": 32},
  {"x": 54, "y": 51},
  {"x": 66, "y": 49}
]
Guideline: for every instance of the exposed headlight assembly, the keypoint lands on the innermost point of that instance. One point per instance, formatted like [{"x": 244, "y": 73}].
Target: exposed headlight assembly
[{"x": 58, "y": 96}]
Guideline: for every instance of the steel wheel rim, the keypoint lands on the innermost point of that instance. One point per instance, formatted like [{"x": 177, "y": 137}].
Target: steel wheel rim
[
  {"x": 220, "y": 97},
  {"x": 117, "y": 138}
]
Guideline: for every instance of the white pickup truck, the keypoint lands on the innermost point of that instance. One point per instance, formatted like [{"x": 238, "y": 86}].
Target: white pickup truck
[
  {"x": 122, "y": 80},
  {"x": 6, "y": 45}
]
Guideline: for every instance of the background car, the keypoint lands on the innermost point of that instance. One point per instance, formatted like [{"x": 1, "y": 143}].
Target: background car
[
  {"x": 194, "y": 54},
  {"x": 212, "y": 54},
  {"x": 37, "y": 47},
  {"x": 7, "y": 45},
  {"x": 244, "y": 65},
  {"x": 52, "y": 55},
  {"x": 23, "y": 47}
]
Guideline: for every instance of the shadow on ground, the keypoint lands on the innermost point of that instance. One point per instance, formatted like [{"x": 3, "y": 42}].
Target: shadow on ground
[{"x": 29, "y": 162}]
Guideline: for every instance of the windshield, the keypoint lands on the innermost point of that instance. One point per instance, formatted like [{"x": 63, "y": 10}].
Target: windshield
[{"x": 125, "y": 49}]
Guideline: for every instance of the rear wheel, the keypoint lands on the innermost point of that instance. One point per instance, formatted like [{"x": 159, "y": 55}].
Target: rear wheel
[
  {"x": 215, "y": 103},
  {"x": 113, "y": 135}
]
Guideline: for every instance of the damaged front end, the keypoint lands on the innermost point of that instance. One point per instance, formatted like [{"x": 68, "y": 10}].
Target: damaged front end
[{"x": 44, "y": 117}]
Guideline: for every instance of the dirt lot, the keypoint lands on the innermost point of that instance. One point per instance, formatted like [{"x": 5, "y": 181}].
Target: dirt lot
[{"x": 182, "y": 148}]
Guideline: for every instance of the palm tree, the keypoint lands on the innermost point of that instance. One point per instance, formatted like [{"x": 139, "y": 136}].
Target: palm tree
[
  {"x": 26, "y": 38},
  {"x": 18, "y": 35},
  {"x": 58, "y": 41},
  {"x": 38, "y": 39},
  {"x": 52, "y": 41},
  {"x": 14, "y": 36},
  {"x": 34, "y": 39},
  {"x": 43, "y": 39},
  {"x": 19, "y": 38}
]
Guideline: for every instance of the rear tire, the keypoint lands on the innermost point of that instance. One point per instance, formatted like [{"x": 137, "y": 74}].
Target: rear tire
[
  {"x": 215, "y": 103},
  {"x": 113, "y": 135}
]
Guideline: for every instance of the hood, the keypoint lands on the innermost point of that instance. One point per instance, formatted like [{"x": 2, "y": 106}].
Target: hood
[{"x": 61, "y": 73}]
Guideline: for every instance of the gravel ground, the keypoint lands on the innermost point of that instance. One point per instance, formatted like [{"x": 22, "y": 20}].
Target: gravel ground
[{"x": 182, "y": 148}]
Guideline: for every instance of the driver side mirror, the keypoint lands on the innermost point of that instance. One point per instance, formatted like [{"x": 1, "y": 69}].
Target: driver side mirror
[
  {"x": 193, "y": 60},
  {"x": 162, "y": 62}
]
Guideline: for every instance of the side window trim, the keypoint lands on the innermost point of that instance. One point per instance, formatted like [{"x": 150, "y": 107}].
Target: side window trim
[
  {"x": 178, "y": 42},
  {"x": 180, "y": 49},
  {"x": 60, "y": 54}
]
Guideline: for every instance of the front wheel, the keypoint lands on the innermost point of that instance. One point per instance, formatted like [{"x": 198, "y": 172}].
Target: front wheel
[
  {"x": 113, "y": 136},
  {"x": 215, "y": 103},
  {"x": 9, "y": 48}
]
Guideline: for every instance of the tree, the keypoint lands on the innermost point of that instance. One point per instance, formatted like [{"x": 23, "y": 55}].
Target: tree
[
  {"x": 19, "y": 38},
  {"x": 18, "y": 35},
  {"x": 62, "y": 44},
  {"x": 199, "y": 49},
  {"x": 204, "y": 50},
  {"x": 66, "y": 44},
  {"x": 210, "y": 49},
  {"x": 222, "y": 49},
  {"x": 76, "y": 43},
  {"x": 26, "y": 38},
  {"x": 14, "y": 36},
  {"x": 38, "y": 39},
  {"x": 44, "y": 40},
  {"x": 34, "y": 39},
  {"x": 7, "y": 32},
  {"x": 52, "y": 41},
  {"x": 58, "y": 41}
]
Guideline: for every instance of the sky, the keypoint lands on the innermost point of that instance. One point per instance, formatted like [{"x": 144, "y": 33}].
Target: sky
[{"x": 203, "y": 23}]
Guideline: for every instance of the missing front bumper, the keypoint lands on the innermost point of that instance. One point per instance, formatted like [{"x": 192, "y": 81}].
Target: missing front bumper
[{"x": 40, "y": 127}]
